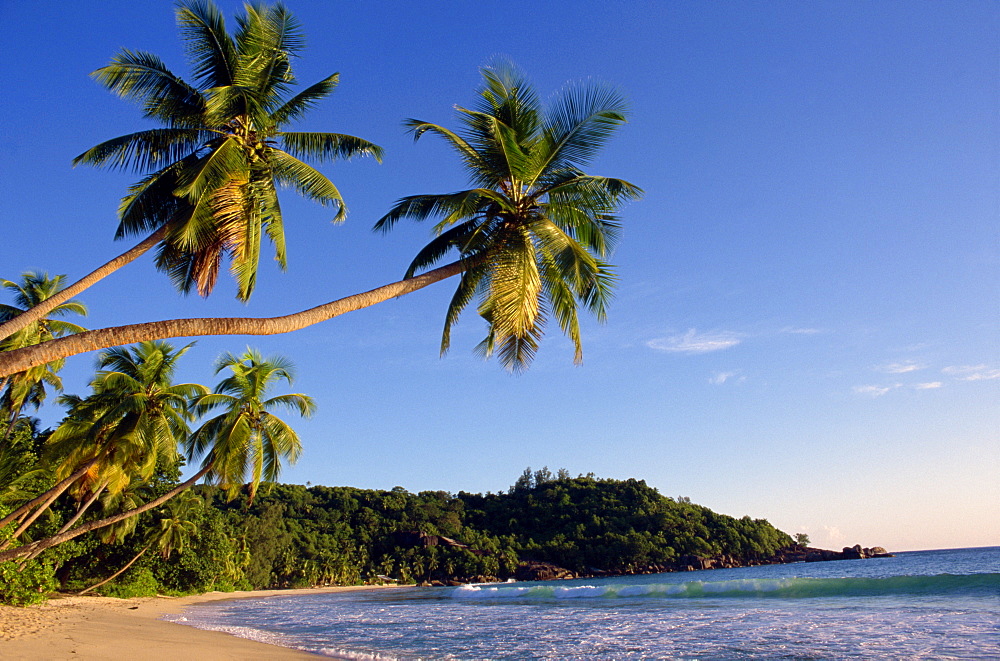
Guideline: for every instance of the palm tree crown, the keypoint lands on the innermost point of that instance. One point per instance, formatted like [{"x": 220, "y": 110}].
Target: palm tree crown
[
  {"x": 28, "y": 388},
  {"x": 133, "y": 420},
  {"x": 211, "y": 170},
  {"x": 535, "y": 230},
  {"x": 247, "y": 440}
]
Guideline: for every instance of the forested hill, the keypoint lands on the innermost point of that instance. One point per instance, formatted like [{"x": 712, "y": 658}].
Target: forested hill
[
  {"x": 587, "y": 524},
  {"x": 341, "y": 534},
  {"x": 296, "y": 536}
]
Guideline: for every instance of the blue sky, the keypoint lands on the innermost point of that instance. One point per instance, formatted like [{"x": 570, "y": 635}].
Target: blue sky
[{"x": 806, "y": 324}]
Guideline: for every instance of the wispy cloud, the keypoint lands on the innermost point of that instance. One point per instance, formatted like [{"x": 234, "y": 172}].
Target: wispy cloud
[
  {"x": 800, "y": 331},
  {"x": 928, "y": 386},
  {"x": 973, "y": 372},
  {"x": 902, "y": 368},
  {"x": 873, "y": 391},
  {"x": 720, "y": 378},
  {"x": 695, "y": 342}
]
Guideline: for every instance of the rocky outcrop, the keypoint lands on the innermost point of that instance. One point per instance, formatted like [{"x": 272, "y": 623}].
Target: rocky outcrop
[
  {"x": 532, "y": 570},
  {"x": 544, "y": 571}
]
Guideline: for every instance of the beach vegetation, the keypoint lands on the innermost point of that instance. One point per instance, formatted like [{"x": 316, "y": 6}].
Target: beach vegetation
[{"x": 120, "y": 445}]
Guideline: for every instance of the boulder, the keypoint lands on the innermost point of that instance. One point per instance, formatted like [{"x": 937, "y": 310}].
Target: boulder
[{"x": 532, "y": 570}]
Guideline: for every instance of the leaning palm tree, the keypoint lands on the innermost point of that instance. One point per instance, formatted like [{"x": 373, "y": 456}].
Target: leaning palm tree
[
  {"x": 211, "y": 172},
  {"x": 28, "y": 388},
  {"x": 246, "y": 441},
  {"x": 175, "y": 527},
  {"x": 535, "y": 230},
  {"x": 134, "y": 419},
  {"x": 533, "y": 235}
]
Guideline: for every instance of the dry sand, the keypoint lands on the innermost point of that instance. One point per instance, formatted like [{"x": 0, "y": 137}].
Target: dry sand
[{"x": 102, "y": 628}]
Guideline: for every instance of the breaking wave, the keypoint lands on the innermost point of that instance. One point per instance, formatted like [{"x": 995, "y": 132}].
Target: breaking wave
[{"x": 785, "y": 588}]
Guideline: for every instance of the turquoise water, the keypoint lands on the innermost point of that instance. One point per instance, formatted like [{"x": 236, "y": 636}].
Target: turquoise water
[{"x": 919, "y": 605}]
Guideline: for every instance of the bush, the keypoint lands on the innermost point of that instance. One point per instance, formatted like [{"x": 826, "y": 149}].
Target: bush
[
  {"x": 138, "y": 583},
  {"x": 30, "y": 586}
]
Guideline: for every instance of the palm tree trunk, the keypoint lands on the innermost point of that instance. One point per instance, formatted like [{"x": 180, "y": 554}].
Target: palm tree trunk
[
  {"x": 21, "y": 359},
  {"x": 59, "y": 538},
  {"x": 76, "y": 517},
  {"x": 84, "y": 507},
  {"x": 117, "y": 573},
  {"x": 43, "y": 500},
  {"x": 42, "y": 309}
]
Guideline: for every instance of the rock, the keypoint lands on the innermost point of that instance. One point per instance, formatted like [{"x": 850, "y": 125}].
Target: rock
[
  {"x": 854, "y": 553},
  {"x": 532, "y": 570}
]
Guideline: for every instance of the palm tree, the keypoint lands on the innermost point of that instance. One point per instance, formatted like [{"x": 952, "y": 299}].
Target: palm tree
[
  {"x": 247, "y": 439},
  {"x": 28, "y": 387},
  {"x": 210, "y": 173},
  {"x": 542, "y": 218},
  {"x": 134, "y": 419},
  {"x": 535, "y": 230}
]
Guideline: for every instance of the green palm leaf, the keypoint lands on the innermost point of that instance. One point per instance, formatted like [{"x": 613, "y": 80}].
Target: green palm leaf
[
  {"x": 328, "y": 146},
  {"x": 209, "y": 47},
  {"x": 297, "y": 106},
  {"x": 143, "y": 77},
  {"x": 308, "y": 181}
]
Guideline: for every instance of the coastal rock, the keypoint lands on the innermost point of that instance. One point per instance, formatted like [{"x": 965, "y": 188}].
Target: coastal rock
[{"x": 532, "y": 570}]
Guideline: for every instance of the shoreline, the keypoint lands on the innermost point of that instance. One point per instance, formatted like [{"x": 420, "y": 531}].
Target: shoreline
[{"x": 103, "y": 628}]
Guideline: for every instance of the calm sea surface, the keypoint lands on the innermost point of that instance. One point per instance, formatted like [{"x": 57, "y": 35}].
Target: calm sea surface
[{"x": 918, "y": 605}]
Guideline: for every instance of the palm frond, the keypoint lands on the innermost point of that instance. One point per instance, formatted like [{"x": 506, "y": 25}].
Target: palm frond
[
  {"x": 468, "y": 286},
  {"x": 295, "y": 107},
  {"x": 328, "y": 146},
  {"x": 454, "y": 238},
  {"x": 209, "y": 47},
  {"x": 453, "y": 206},
  {"x": 480, "y": 172},
  {"x": 212, "y": 170},
  {"x": 266, "y": 40},
  {"x": 308, "y": 181},
  {"x": 580, "y": 122},
  {"x": 143, "y": 77},
  {"x": 146, "y": 150}
]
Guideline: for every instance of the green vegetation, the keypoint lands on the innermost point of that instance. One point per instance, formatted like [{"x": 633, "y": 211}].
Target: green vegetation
[{"x": 297, "y": 536}]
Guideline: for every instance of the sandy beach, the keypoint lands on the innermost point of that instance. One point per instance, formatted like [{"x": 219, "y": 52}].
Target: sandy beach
[{"x": 102, "y": 628}]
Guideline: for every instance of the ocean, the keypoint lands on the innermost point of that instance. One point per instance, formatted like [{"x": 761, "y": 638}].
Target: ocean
[{"x": 917, "y": 605}]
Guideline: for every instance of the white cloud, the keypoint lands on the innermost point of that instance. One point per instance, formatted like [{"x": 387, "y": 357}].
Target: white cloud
[
  {"x": 800, "y": 331},
  {"x": 693, "y": 342},
  {"x": 973, "y": 372},
  {"x": 721, "y": 377},
  {"x": 928, "y": 386},
  {"x": 902, "y": 368},
  {"x": 873, "y": 391}
]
